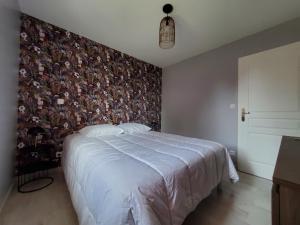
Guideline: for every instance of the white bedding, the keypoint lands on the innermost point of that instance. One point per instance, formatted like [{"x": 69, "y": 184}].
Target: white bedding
[{"x": 148, "y": 178}]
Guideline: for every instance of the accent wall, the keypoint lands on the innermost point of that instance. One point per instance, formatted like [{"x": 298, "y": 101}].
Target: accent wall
[{"x": 67, "y": 81}]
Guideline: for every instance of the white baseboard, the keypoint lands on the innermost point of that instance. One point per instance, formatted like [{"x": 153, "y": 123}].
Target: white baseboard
[{"x": 6, "y": 196}]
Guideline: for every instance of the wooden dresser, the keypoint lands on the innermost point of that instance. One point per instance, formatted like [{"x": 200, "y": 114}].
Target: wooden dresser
[{"x": 286, "y": 184}]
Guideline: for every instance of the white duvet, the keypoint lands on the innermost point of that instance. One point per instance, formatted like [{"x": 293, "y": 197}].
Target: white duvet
[{"x": 147, "y": 178}]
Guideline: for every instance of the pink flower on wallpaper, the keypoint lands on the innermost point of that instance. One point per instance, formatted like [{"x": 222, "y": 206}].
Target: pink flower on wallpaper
[
  {"x": 24, "y": 36},
  {"x": 78, "y": 119},
  {"x": 37, "y": 49},
  {"x": 35, "y": 119},
  {"x": 66, "y": 125},
  {"x": 67, "y": 64},
  {"x": 106, "y": 105},
  {"x": 41, "y": 69},
  {"x": 79, "y": 61},
  {"x": 22, "y": 109},
  {"x": 42, "y": 35},
  {"x": 40, "y": 102},
  {"x": 128, "y": 95},
  {"x": 76, "y": 74},
  {"x": 21, "y": 145},
  {"x": 36, "y": 84},
  {"x": 79, "y": 90},
  {"x": 23, "y": 72}
]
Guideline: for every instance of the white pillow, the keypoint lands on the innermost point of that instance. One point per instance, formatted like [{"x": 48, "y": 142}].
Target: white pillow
[
  {"x": 133, "y": 127},
  {"x": 100, "y": 130}
]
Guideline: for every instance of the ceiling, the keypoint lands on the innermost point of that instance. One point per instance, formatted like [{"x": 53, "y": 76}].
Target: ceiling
[{"x": 131, "y": 26}]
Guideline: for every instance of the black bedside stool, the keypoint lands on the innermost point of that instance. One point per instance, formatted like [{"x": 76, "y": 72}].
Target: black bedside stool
[
  {"x": 33, "y": 165},
  {"x": 34, "y": 162}
]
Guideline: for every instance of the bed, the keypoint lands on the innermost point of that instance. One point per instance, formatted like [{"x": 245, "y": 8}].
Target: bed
[{"x": 142, "y": 178}]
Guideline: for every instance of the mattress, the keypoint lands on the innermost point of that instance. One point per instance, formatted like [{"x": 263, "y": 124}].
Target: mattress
[{"x": 147, "y": 178}]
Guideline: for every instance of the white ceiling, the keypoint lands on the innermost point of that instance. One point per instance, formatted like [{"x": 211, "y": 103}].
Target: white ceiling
[{"x": 131, "y": 26}]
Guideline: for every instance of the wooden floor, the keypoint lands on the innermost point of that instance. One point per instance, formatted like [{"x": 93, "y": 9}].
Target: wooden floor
[{"x": 245, "y": 203}]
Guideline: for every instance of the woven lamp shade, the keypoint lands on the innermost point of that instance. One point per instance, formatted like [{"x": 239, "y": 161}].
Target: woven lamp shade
[{"x": 167, "y": 33}]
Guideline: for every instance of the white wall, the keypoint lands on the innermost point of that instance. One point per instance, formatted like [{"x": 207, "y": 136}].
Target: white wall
[
  {"x": 9, "y": 52},
  {"x": 197, "y": 93}
]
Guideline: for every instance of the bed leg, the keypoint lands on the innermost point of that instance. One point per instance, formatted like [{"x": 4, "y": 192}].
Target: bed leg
[{"x": 217, "y": 190}]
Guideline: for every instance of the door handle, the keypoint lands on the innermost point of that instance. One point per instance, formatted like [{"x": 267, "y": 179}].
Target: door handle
[{"x": 243, "y": 114}]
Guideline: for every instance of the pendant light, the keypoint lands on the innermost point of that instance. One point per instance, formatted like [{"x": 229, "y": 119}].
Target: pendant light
[{"x": 167, "y": 29}]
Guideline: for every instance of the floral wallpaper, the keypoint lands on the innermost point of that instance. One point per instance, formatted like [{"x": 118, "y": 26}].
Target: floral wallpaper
[{"x": 67, "y": 81}]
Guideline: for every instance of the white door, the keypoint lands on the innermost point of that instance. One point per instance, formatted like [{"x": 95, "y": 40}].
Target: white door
[{"x": 269, "y": 90}]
